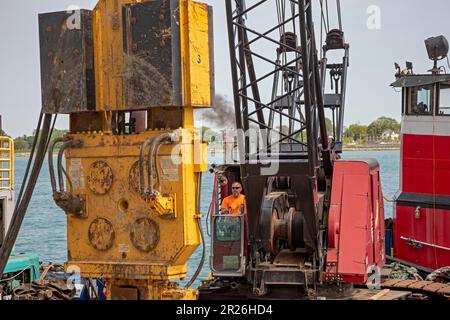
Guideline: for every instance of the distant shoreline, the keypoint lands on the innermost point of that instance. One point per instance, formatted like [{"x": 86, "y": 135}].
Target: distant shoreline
[
  {"x": 393, "y": 148},
  {"x": 353, "y": 148},
  {"x": 345, "y": 148},
  {"x": 22, "y": 154}
]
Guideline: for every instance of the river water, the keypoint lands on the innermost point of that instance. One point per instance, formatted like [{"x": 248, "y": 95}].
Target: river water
[{"x": 44, "y": 229}]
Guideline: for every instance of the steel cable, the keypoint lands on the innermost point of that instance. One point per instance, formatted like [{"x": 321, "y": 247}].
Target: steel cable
[
  {"x": 30, "y": 160},
  {"x": 22, "y": 205}
]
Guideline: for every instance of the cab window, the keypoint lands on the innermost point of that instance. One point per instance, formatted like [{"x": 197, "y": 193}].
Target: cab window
[
  {"x": 228, "y": 229},
  {"x": 444, "y": 100},
  {"x": 420, "y": 100}
]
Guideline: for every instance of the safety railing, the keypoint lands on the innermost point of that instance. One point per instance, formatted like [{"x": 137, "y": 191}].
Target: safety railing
[{"x": 6, "y": 163}]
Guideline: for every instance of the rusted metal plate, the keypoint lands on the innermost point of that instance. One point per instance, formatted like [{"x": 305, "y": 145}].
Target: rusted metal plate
[
  {"x": 152, "y": 63},
  {"x": 134, "y": 176},
  {"x": 129, "y": 270},
  {"x": 289, "y": 259},
  {"x": 86, "y": 122},
  {"x": 165, "y": 118},
  {"x": 67, "y": 62},
  {"x": 145, "y": 234},
  {"x": 100, "y": 177},
  {"x": 101, "y": 234}
]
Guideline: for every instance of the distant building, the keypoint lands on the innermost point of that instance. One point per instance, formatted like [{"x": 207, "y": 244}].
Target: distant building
[{"x": 390, "y": 136}]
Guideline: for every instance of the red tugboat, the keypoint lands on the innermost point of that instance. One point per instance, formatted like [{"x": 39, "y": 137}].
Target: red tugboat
[{"x": 421, "y": 221}]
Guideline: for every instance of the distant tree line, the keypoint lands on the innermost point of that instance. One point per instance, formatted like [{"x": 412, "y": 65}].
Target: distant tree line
[
  {"x": 24, "y": 143},
  {"x": 382, "y": 129}
]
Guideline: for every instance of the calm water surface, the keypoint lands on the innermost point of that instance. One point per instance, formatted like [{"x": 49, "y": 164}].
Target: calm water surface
[{"x": 44, "y": 228}]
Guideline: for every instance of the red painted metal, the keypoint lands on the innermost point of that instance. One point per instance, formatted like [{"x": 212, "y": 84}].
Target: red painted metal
[
  {"x": 426, "y": 164},
  {"x": 425, "y": 171},
  {"x": 356, "y": 222},
  {"x": 425, "y": 225}
]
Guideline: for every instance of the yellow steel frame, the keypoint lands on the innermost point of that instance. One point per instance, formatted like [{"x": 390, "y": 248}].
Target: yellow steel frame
[
  {"x": 109, "y": 57},
  {"x": 108, "y": 54},
  {"x": 7, "y": 148},
  {"x": 195, "y": 53}
]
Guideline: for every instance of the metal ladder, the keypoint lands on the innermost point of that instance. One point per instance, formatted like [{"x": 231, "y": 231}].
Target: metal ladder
[{"x": 6, "y": 163}]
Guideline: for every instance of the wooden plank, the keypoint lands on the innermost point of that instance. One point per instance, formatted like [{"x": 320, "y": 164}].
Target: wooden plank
[
  {"x": 362, "y": 294},
  {"x": 404, "y": 283},
  {"x": 380, "y": 294},
  {"x": 445, "y": 291},
  {"x": 434, "y": 287},
  {"x": 419, "y": 285},
  {"x": 391, "y": 282},
  {"x": 396, "y": 295},
  {"x": 383, "y": 295}
]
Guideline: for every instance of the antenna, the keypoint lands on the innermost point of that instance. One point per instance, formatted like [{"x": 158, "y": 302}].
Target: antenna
[{"x": 399, "y": 69}]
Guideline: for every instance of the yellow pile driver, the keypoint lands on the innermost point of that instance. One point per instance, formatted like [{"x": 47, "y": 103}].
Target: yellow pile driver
[{"x": 129, "y": 74}]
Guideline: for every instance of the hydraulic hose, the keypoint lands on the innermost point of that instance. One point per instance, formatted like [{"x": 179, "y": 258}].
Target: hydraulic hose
[
  {"x": 59, "y": 166},
  {"x": 155, "y": 159},
  {"x": 199, "y": 223},
  {"x": 61, "y": 170},
  {"x": 22, "y": 205},
  {"x": 142, "y": 166},
  {"x": 154, "y": 143},
  {"x": 50, "y": 162}
]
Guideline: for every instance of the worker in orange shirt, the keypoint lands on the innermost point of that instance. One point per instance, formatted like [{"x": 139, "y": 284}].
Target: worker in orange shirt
[{"x": 235, "y": 203}]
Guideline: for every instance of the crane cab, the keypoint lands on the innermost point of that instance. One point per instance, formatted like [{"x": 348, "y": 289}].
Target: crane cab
[
  {"x": 422, "y": 205},
  {"x": 228, "y": 254}
]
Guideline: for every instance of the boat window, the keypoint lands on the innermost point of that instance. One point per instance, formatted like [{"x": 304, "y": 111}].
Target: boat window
[
  {"x": 420, "y": 100},
  {"x": 444, "y": 100}
]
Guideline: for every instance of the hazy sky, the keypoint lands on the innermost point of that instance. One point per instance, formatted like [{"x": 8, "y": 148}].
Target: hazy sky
[{"x": 404, "y": 26}]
